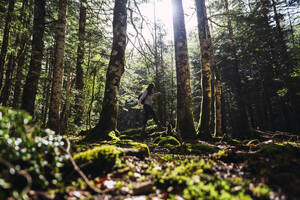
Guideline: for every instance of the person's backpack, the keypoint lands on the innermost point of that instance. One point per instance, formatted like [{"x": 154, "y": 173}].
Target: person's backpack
[{"x": 143, "y": 100}]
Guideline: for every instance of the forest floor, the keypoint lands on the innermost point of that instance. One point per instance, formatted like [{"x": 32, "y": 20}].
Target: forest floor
[{"x": 158, "y": 166}]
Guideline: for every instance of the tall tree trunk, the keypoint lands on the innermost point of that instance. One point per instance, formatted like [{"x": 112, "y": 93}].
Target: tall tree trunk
[
  {"x": 218, "y": 94},
  {"x": 8, "y": 80},
  {"x": 205, "y": 122},
  {"x": 79, "y": 85},
  {"x": 290, "y": 23},
  {"x": 5, "y": 38},
  {"x": 56, "y": 91},
  {"x": 51, "y": 62},
  {"x": 92, "y": 99},
  {"x": 67, "y": 103},
  {"x": 110, "y": 106},
  {"x": 18, "y": 79},
  {"x": 240, "y": 122},
  {"x": 25, "y": 19},
  {"x": 185, "y": 118},
  {"x": 32, "y": 79},
  {"x": 14, "y": 55}
]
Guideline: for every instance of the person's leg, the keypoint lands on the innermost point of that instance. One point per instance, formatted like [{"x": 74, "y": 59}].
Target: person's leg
[
  {"x": 154, "y": 117},
  {"x": 146, "y": 116}
]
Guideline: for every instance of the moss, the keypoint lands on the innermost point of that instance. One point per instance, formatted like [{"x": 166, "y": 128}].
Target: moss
[
  {"x": 150, "y": 129},
  {"x": 201, "y": 148},
  {"x": 113, "y": 135},
  {"x": 141, "y": 147},
  {"x": 279, "y": 150},
  {"x": 168, "y": 140},
  {"x": 156, "y": 134},
  {"x": 101, "y": 158},
  {"x": 234, "y": 142}
]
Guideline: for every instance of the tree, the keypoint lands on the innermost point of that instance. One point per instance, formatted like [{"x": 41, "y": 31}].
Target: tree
[
  {"x": 5, "y": 38},
  {"x": 55, "y": 100},
  {"x": 33, "y": 75},
  {"x": 185, "y": 118},
  {"x": 79, "y": 85},
  {"x": 110, "y": 107},
  {"x": 205, "y": 123},
  {"x": 240, "y": 124},
  {"x": 25, "y": 19}
]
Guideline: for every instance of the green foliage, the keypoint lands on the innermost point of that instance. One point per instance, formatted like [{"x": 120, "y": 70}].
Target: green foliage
[{"x": 27, "y": 149}]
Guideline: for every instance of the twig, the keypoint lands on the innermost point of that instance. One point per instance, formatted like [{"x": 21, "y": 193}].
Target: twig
[{"x": 86, "y": 180}]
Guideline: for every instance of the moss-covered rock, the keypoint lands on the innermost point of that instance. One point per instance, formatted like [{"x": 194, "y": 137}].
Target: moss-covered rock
[
  {"x": 149, "y": 129},
  {"x": 201, "y": 148},
  {"x": 167, "y": 140},
  {"x": 99, "y": 159},
  {"x": 142, "y": 149}
]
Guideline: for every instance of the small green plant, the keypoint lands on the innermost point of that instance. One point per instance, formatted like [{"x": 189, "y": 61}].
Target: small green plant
[{"x": 29, "y": 156}]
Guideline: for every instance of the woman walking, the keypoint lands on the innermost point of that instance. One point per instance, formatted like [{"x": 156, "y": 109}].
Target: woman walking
[{"x": 146, "y": 100}]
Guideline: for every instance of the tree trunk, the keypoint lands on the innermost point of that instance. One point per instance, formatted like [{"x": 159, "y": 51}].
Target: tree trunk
[
  {"x": 5, "y": 39},
  {"x": 56, "y": 91},
  {"x": 21, "y": 55},
  {"x": 92, "y": 99},
  {"x": 32, "y": 79},
  {"x": 8, "y": 80},
  {"x": 185, "y": 119},
  {"x": 110, "y": 106},
  {"x": 66, "y": 113},
  {"x": 219, "y": 131},
  {"x": 49, "y": 83},
  {"x": 14, "y": 55},
  {"x": 240, "y": 122},
  {"x": 205, "y": 122},
  {"x": 18, "y": 79},
  {"x": 79, "y": 85}
]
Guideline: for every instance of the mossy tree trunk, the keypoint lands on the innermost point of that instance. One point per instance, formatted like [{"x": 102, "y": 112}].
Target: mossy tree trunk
[
  {"x": 205, "y": 122},
  {"x": 32, "y": 79},
  {"x": 79, "y": 85},
  {"x": 56, "y": 92},
  {"x": 5, "y": 39},
  {"x": 110, "y": 106},
  {"x": 219, "y": 129},
  {"x": 185, "y": 118}
]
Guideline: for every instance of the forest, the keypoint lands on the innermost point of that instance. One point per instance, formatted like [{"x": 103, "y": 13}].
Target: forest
[{"x": 77, "y": 120}]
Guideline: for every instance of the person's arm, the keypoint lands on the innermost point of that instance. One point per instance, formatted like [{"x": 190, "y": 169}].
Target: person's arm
[
  {"x": 142, "y": 97},
  {"x": 156, "y": 94}
]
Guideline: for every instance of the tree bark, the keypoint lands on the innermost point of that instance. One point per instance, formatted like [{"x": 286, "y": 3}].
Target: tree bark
[
  {"x": 8, "y": 80},
  {"x": 25, "y": 19},
  {"x": 66, "y": 113},
  {"x": 79, "y": 85},
  {"x": 185, "y": 119},
  {"x": 110, "y": 106},
  {"x": 5, "y": 38},
  {"x": 204, "y": 127},
  {"x": 32, "y": 79},
  {"x": 56, "y": 91},
  {"x": 92, "y": 99},
  {"x": 240, "y": 122}
]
